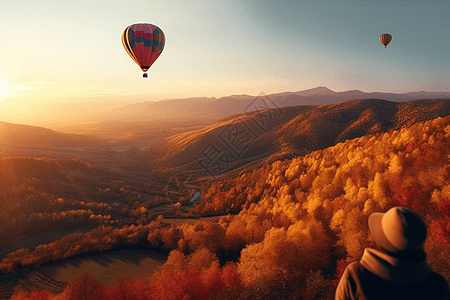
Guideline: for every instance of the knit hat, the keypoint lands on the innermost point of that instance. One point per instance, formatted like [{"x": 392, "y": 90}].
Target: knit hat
[{"x": 400, "y": 229}]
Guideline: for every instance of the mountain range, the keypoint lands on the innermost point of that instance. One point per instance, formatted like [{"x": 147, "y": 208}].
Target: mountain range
[
  {"x": 200, "y": 109},
  {"x": 214, "y": 109}
]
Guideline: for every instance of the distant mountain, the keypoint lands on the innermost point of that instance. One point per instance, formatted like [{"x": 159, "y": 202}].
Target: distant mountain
[
  {"x": 323, "y": 95},
  {"x": 213, "y": 109},
  {"x": 15, "y": 134},
  {"x": 200, "y": 109},
  {"x": 295, "y": 130}
]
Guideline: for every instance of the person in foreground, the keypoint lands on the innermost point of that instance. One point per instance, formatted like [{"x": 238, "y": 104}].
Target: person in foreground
[{"x": 396, "y": 267}]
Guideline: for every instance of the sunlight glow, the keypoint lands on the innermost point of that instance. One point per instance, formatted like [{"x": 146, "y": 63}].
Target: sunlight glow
[{"x": 3, "y": 89}]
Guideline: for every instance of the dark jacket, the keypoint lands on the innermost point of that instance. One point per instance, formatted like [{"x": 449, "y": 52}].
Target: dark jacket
[{"x": 381, "y": 276}]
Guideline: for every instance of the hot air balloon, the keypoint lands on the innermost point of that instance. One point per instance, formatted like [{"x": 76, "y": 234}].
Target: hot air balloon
[
  {"x": 385, "y": 39},
  {"x": 144, "y": 43}
]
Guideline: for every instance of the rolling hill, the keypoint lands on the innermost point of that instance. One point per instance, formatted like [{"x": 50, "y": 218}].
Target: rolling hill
[
  {"x": 277, "y": 133},
  {"x": 15, "y": 134}
]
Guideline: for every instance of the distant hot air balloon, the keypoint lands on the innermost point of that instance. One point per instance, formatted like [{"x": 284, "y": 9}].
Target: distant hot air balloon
[
  {"x": 144, "y": 43},
  {"x": 385, "y": 39}
]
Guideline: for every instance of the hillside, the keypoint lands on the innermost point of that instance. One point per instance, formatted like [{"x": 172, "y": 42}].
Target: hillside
[
  {"x": 15, "y": 134},
  {"x": 115, "y": 147},
  {"x": 284, "y": 133},
  {"x": 310, "y": 213}
]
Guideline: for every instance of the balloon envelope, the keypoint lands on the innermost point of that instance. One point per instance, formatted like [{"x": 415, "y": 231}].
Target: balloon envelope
[
  {"x": 385, "y": 39},
  {"x": 144, "y": 43}
]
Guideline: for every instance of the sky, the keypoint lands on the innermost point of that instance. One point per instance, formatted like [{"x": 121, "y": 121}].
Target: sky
[{"x": 55, "y": 51}]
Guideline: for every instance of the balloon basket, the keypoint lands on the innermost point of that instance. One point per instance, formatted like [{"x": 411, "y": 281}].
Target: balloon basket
[{"x": 145, "y": 75}]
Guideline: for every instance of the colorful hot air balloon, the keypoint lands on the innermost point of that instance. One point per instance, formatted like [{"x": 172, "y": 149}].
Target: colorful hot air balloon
[
  {"x": 144, "y": 43},
  {"x": 385, "y": 39}
]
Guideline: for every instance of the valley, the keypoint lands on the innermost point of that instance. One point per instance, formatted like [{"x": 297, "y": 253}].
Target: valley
[{"x": 114, "y": 200}]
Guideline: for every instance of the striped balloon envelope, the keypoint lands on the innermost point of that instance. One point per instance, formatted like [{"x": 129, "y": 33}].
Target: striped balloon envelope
[
  {"x": 385, "y": 39},
  {"x": 144, "y": 43}
]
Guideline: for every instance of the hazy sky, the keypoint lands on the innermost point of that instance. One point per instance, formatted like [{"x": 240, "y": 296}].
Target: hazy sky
[{"x": 71, "y": 50}]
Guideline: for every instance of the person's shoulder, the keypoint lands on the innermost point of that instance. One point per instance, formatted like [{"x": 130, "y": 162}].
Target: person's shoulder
[
  {"x": 349, "y": 282},
  {"x": 351, "y": 273},
  {"x": 436, "y": 275},
  {"x": 355, "y": 267},
  {"x": 438, "y": 279},
  {"x": 353, "y": 281},
  {"x": 355, "y": 273}
]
